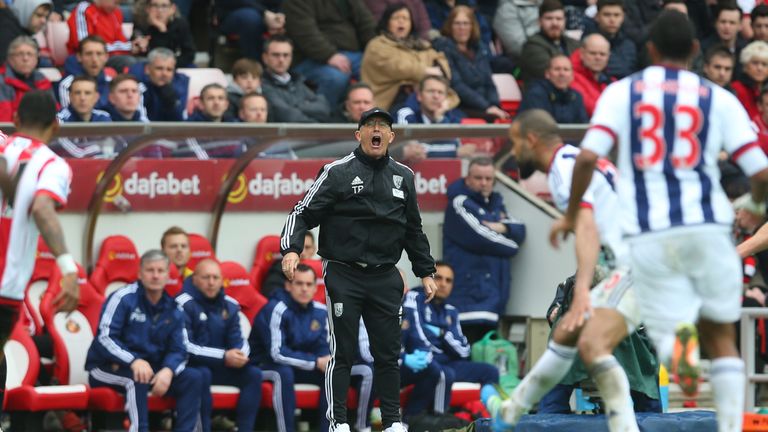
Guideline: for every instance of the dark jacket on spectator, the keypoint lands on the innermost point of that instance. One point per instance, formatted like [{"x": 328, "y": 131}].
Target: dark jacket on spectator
[
  {"x": 471, "y": 78},
  {"x": 639, "y": 14},
  {"x": 68, "y": 115},
  {"x": 178, "y": 39},
  {"x": 566, "y": 106},
  {"x": 623, "y": 59},
  {"x": 294, "y": 102},
  {"x": 139, "y": 115},
  {"x": 438, "y": 11},
  {"x": 166, "y": 103},
  {"x": 10, "y": 29},
  {"x": 538, "y": 50},
  {"x": 321, "y": 28},
  {"x": 13, "y": 88},
  {"x": 479, "y": 255},
  {"x": 13, "y": 22},
  {"x": 224, "y": 7},
  {"x": 418, "y": 11}
]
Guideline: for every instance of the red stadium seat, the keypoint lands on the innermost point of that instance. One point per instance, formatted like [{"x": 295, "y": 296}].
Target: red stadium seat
[
  {"x": 238, "y": 286},
  {"x": 509, "y": 92},
  {"x": 200, "y": 249},
  {"x": 21, "y": 394},
  {"x": 57, "y": 35},
  {"x": 175, "y": 281},
  {"x": 267, "y": 250},
  {"x": 71, "y": 333},
  {"x": 38, "y": 283},
  {"x": 118, "y": 264}
]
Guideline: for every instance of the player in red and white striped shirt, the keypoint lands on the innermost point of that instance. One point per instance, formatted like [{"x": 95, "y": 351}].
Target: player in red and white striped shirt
[{"x": 34, "y": 183}]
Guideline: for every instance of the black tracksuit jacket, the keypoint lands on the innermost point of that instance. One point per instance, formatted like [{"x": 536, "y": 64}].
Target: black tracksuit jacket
[{"x": 367, "y": 212}]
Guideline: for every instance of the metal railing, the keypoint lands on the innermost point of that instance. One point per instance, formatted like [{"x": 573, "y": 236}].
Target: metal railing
[{"x": 748, "y": 316}]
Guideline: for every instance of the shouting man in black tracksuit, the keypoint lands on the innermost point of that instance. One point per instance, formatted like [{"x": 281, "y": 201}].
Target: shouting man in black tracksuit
[{"x": 365, "y": 204}]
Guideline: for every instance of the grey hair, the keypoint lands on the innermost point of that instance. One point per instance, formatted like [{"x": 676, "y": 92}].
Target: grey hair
[
  {"x": 23, "y": 40},
  {"x": 481, "y": 161},
  {"x": 756, "y": 49},
  {"x": 160, "y": 53},
  {"x": 154, "y": 255},
  {"x": 539, "y": 122}
]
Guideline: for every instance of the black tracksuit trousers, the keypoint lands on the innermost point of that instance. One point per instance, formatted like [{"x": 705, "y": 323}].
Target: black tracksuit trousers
[{"x": 376, "y": 295}]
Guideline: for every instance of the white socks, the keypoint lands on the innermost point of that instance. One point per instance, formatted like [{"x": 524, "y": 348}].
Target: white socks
[
  {"x": 551, "y": 368},
  {"x": 613, "y": 385},
  {"x": 729, "y": 383}
]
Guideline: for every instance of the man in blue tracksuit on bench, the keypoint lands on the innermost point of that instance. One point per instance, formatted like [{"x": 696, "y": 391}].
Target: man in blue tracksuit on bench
[
  {"x": 139, "y": 348},
  {"x": 215, "y": 344},
  {"x": 289, "y": 342},
  {"x": 432, "y": 338}
]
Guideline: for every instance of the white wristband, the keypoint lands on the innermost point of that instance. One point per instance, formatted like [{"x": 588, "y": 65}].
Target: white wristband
[{"x": 66, "y": 263}]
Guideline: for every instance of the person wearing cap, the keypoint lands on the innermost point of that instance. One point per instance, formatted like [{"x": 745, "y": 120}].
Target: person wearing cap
[{"x": 365, "y": 204}]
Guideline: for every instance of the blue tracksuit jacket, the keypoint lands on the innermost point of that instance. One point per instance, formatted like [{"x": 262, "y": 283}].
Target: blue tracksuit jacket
[
  {"x": 479, "y": 256},
  {"x": 68, "y": 115},
  {"x": 213, "y": 326},
  {"x": 285, "y": 332},
  {"x": 433, "y": 327},
  {"x": 132, "y": 328}
]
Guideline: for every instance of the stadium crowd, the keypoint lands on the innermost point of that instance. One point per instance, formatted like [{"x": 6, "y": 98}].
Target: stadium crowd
[
  {"x": 317, "y": 61},
  {"x": 312, "y": 61}
]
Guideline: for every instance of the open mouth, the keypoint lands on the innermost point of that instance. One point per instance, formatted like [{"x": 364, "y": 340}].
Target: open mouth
[{"x": 376, "y": 141}]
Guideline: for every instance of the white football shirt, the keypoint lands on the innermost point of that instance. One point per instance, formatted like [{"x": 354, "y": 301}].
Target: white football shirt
[
  {"x": 36, "y": 170},
  {"x": 600, "y": 195},
  {"x": 670, "y": 126}
]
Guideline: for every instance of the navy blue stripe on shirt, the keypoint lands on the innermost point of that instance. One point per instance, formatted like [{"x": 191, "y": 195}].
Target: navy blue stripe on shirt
[
  {"x": 636, "y": 123},
  {"x": 670, "y": 133},
  {"x": 705, "y": 104}
]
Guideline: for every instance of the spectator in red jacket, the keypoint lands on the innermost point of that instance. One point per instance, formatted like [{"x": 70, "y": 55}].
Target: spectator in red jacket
[
  {"x": 754, "y": 63},
  {"x": 19, "y": 75},
  {"x": 589, "y": 63},
  {"x": 102, "y": 18}
]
